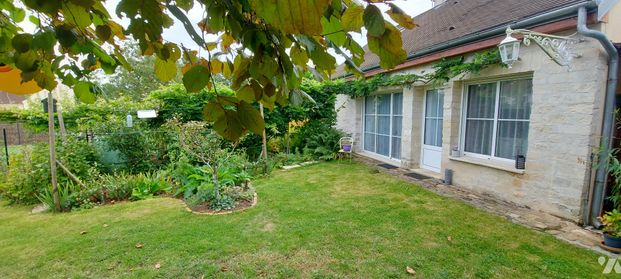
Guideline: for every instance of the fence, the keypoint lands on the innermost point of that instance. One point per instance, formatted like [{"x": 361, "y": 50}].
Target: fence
[{"x": 13, "y": 135}]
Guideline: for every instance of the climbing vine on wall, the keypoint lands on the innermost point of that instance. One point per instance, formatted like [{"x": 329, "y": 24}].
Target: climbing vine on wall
[{"x": 443, "y": 71}]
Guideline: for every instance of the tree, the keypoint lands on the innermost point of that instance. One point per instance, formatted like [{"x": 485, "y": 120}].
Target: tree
[
  {"x": 135, "y": 83},
  {"x": 263, "y": 47}
]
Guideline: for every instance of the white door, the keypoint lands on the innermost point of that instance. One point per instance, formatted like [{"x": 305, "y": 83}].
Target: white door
[{"x": 431, "y": 155}]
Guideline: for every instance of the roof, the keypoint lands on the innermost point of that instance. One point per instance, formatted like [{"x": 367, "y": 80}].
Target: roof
[
  {"x": 10, "y": 99},
  {"x": 457, "y": 18}
]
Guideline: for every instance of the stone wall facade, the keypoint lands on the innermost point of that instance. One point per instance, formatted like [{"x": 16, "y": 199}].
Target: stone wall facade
[{"x": 565, "y": 124}]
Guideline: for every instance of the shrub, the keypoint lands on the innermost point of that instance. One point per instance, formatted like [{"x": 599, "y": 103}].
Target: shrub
[
  {"x": 612, "y": 223},
  {"x": 27, "y": 175},
  {"x": 109, "y": 188},
  {"x": 145, "y": 186},
  {"x": 65, "y": 193},
  {"x": 318, "y": 139},
  {"x": 80, "y": 157}
]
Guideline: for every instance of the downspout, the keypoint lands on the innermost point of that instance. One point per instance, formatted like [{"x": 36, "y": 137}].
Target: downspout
[{"x": 597, "y": 196}]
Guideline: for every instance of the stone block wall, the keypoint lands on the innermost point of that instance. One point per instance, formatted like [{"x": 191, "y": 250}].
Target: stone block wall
[{"x": 565, "y": 124}]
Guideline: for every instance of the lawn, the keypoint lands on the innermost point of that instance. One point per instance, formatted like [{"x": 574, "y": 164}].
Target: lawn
[{"x": 330, "y": 220}]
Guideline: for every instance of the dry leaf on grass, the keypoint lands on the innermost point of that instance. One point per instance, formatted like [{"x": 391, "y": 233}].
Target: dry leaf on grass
[
  {"x": 449, "y": 238},
  {"x": 83, "y": 232},
  {"x": 105, "y": 225},
  {"x": 158, "y": 265},
  {"x": 410, "y": 270},
  {"x": 139, "y": 245}
]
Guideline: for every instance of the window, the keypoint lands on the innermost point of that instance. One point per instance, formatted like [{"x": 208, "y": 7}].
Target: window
[
  {"x": 434, "y": 114},
  {"x": 382, "y": 124},
  {"x": 497, "y": 118}
]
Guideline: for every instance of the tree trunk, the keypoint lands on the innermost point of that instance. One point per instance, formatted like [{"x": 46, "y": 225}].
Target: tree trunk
[
  {"x": 264, "y": 145},
  {"x": 52, "y": 144},
  {"x": 216, "y": 183}
]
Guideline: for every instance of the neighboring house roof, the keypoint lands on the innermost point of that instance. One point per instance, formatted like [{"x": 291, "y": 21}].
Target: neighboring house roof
[
  {"x": 10, "y": 99},
  {"x": 457, "y": 18}
]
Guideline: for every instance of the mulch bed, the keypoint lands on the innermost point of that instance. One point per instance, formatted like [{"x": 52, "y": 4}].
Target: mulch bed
[{"x": 204, "y": 209}]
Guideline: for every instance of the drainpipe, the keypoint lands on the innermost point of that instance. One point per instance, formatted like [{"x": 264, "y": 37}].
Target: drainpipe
[{"x": 597, "y": 196}]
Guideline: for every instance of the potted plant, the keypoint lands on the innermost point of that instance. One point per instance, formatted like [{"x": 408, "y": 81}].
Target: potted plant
[
  {"x": 611, "y": 220},
  {"x": 612, "y": 228}
]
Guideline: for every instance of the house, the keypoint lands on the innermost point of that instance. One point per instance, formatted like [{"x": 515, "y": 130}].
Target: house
[
  {"x": 478, "y": 124},
  {"x": 10, "y": 101}
]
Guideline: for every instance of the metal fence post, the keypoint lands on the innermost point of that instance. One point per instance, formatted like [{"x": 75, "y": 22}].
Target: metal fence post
[{"x": 6, "y": 146}]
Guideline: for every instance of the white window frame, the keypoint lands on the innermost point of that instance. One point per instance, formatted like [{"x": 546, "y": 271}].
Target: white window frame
[
  {"x": 391, "y": 115},
  {"x": 464, "y": 114}
]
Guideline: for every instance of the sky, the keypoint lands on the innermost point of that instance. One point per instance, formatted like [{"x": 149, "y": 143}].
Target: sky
[{"x": 177, "y": 33}]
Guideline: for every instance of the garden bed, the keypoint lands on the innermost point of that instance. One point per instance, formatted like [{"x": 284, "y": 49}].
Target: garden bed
[{"x": 205, "y": 209}]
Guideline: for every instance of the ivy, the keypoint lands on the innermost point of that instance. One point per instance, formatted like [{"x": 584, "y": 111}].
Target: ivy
[{"x": 443, "y": 71}]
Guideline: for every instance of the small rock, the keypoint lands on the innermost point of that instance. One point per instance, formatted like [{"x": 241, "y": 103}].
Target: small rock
[
  {"x": 553, "y": 232},
  {"x": 290, "y": 167},
  {"x": 513, "y": 216},
  {"x": 474, "y": 197},
  {"x": 40, "y": 208},
  {"x": 410, "y": 270}
]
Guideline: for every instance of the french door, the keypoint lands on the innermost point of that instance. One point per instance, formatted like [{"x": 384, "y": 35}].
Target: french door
[
  {"x": 431, "y": 155},
  {"x": 382, "y": 125}
]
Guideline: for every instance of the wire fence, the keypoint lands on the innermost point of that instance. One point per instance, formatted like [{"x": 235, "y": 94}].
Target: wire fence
[{"x": 12, "y": 137}]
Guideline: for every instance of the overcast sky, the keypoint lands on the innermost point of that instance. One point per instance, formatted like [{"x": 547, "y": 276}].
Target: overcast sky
[{"x": 177, "y": 33}]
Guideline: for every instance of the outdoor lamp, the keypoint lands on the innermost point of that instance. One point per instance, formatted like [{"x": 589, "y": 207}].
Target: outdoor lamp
[
  {"x": 558, "y": 48},
  {"x": 509, "y": 50}
]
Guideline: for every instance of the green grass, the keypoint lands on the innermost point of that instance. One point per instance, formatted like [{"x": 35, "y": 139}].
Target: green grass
[{"x": 330, "y": 220}]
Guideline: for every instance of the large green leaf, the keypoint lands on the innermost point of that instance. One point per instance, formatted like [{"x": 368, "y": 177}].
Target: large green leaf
[
  {"x": 212, "y": 111},
  {"x": 373, "y": 21},
  {"x": 84, "y": 92},
  {"x": 292, "y": 16},
  {"x": 323, "y": 60},
  {"x": 45, "y": 77},
  {"x": 196, "y": 78},
  {"x": 76, "y": 15},
  {"x": 352, "y": 18},
  {"x": 389, "y": 47},
  {"x": 22, "y": 42},
  {"x": 250, "y": 117},
  {"x": 299, "y": 56},
  {"x": 398, "y": 15},
  {"x": 165, "y": 70},
  {"x": 66, "y": 36},
  {"x": 333, "y": 29},
  {"x": 229, "y": 126},
  {"x": 246, "y": 93},
  {"x": 104, "y": 32},
  {"x": 26, "y": 61},
  {"x": 44, "y": 40}
]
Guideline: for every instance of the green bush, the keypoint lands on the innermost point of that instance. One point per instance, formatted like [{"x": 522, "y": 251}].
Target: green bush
[
  {"x": 79, "y": 157},
  {"x": 147, "y": 185},
  {"x": 109, "y": 188},
  {"x": 65, "y": 193},
  {"x": 318, "y": 139},
  {"x": 27, "y": 175}
]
